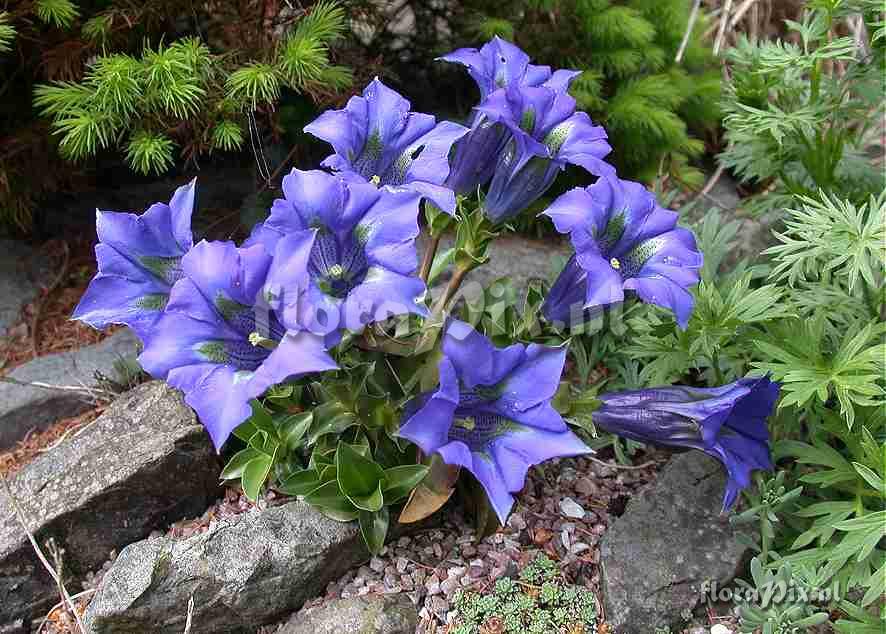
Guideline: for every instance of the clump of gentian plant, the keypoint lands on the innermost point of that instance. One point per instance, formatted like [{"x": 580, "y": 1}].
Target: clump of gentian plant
[{"x": 317, "y": 344}]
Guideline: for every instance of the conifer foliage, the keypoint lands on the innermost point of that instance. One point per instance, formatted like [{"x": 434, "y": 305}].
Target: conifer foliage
[
  {"x": 160, "y": 82},
  {"x": 655, "y": 109}
]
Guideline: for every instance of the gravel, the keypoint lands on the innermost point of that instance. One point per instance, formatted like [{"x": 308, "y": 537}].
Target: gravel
[{"x": 562, "y": 511}]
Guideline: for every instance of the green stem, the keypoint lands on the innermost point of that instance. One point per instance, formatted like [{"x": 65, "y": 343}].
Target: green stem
[
  {"x": 715, "y": 363},
  {"x": 434, "y": 323}
]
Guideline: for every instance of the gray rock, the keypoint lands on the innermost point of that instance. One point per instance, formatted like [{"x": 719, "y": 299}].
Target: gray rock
[
  {"x": 25, "y": 408},
  {"x": 248, "y": 571},
  {"x": 144, "y": 463},
  {"x": 670, "y": 540},
  {"x": 517, "y": 257},
  {"x": 370, "y": 614},
  {"x": 21, "y": 273}
]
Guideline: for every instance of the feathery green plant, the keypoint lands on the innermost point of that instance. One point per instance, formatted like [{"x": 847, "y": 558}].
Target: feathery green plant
[
  {"x": 120, "y": 81},
  {"x": 800, "y": 117}
]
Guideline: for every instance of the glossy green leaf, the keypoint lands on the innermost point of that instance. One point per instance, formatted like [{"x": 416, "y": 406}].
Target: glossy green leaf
[
  {"x": 335, "y": 423},
  {"x": 245, "y": 430},
  {"x": 372, "y": 502},
  {"x": 374, "y": 528},
  {"x": 357, "y": 475},
  {"x": 254, "y": 475},
  {"x": 329, "y": 497},
  {"x": 328, "y": 472},
  {"x": 300, "y": 483},
  {"x": 261, "y": 418},
  {"x": 400, "y": 481},
  {"x": 236, "y": 465},
  {"x": 293, "y": 428}
]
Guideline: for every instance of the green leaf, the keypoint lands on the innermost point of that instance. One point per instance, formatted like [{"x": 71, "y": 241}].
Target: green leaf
[
  {"x": 236, "y": 465},
  {"x": 293, "y": 427},
  {"x": 871, "y": 478},
  {"x": 329, "y": 498},
  {"x": 357, "y": 475},
  {"x": 372, "y": 502},
  {"x": 300, "y": 483},
  {"x": 261, "y": 418},
  {"x": 441, "y": 261},
  {"x": 245, "y": 430},
  {"x": 330, "y": 421},
  {"x": 400, "y": 481},
  {"x": 374, "y": 528},
  {"x": 254, "y": 475}
]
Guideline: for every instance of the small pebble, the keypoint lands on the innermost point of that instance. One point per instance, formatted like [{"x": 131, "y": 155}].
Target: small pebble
[
  {"x": 433, "y": 585},
  {"x": 377, "y": 564},
  {"x": 449, "y": 585},
  {"x": 571, "y": 508}
]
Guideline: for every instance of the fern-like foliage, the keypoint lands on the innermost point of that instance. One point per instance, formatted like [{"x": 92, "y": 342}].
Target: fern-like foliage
[
  {"x": 828, "y": 236},
  {"x": 794, "y": 121},
  {"x": 813, "y": 363}
]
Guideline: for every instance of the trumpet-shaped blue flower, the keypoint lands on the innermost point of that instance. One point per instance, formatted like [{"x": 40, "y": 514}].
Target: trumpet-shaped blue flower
[
  {"x": 547, "y": 134},
  {"x": 376, "y": 137},
  {"x": 138, "y": 262},
  {"x": 220, "y": 343},
  {"x": 623, "y": 241},
  {"x": 344, "y": 253},
  {"x": 496, "y": 65},
  {"x": 728, "y": 423},
  {"x": 492, "y": 413}
]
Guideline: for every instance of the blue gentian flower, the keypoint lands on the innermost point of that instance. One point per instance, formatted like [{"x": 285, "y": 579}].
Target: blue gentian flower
[
  {"x": 220, "y": 343},
  {"x": 728, "y": 423},
  {"x": 344, "y": 253},
  {"x": 496, "y": 65},
  {"x": 623, "y": 241},
  {"x": 138, "y": 262},
  {"x": 377, "y": 138},
  {"x": 492, "y": 413},
  {"x": 547, "y": 134}
]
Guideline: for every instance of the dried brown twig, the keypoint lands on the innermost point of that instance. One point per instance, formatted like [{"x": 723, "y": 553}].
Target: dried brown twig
[{"x": 59, "y": 582}]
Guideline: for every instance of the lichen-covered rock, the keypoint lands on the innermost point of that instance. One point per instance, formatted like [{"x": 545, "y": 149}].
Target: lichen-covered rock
[
  {"x": 25, "y": 408},
  {"x": 671, "y": 539},
  {"x": 143, "y": 463},
  {"x": 370, "y": 614},
  {"x": 247, "y": 571}
]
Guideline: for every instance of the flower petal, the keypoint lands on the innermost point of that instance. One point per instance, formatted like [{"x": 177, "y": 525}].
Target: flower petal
[
  {"x": 604, "y": 283},
  {"x": 344, "y": 130},
  {"x": 389, "y": 229},
  {"x": 219, "y": 395},
  {"x": 297, "y": 354},
  {"x": 382, "y": 294},
  {"x": 476, "y": 360},
  {"x": 665, "y": 293},
  {"x": 536, "y": 379},
  {"x": 230, "y": 279},
  {"x": 429, "y": 426}
]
